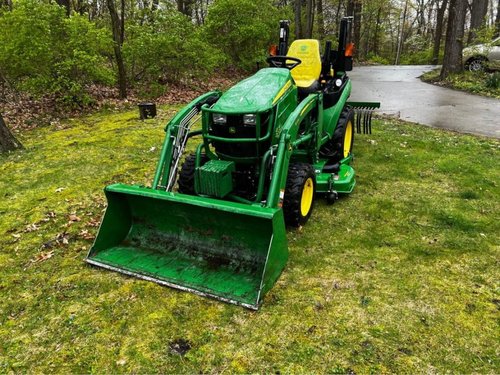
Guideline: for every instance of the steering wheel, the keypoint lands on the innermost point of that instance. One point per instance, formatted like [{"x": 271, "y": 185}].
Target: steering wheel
[{"x": 280, "y": 61}]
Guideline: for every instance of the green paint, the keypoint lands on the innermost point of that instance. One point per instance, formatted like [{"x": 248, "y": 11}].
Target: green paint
[
  {"x": 254, "y": 94},
  {"x": 217, "y": 243},
  {"x": 215, "y": 178},
  {"x": 202, "y": 244}
]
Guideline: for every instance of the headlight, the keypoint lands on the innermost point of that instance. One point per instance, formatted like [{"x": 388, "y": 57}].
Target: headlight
[
  {"x": 249, "y": 119},
  {"x": 219, "y": 118}
]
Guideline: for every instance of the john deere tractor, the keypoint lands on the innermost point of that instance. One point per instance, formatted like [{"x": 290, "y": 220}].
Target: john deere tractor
[{"x": 267, "y": 147}]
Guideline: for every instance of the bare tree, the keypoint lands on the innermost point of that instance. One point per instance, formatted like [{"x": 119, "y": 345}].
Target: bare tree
[
  {"x": 321, "y": 20},
  {"x": 439, "y": 31},
  {"x": 497, "y": 20},
  {"x": 354, "y": 8},
  {"x": 452, "y": 62},
  {"x": 7, "y": 141},
  {"x": 309, "y": 18},
  {"x": 401, "y": 34},
  {"x": 117, "y": 46},
  {"x": 298, "y": 19},
  {"x": 477, "y": 17}
]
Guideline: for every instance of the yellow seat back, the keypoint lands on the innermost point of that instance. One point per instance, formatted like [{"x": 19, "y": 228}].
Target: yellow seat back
[{"x": 307, "y": 50}]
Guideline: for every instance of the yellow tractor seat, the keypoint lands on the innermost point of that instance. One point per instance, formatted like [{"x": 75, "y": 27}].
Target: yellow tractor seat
[{"x": 307, "y": 73}]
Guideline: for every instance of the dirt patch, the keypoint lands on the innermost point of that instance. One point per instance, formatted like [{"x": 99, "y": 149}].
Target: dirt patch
[{"x": 179, "y": 347}]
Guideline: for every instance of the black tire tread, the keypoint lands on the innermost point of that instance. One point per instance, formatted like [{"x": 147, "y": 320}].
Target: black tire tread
[
  {"x": 298, "y": 173},
  {"x": 333, "y": 149},
  {"x": 186, "y": 174}
]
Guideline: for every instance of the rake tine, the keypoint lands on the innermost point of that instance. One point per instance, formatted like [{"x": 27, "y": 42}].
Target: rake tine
[
  {"x": 363, "y": 113},
  {"x": 367, "y": 120},
  {"x": 358, "y": 121},
  {"x": 370, "y": 121},
  {"x": 363, "y": 119}
]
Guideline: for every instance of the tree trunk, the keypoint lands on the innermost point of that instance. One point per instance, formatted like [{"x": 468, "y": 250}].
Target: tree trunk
[
  {"x": 420, "y": 17},
  {"x": 122, "y": 22},
  {"x": 185, "y": 7},
  {"x": 309, "y": 18},
  {"x": 377, "y": 31},
  {"x": 115, "y": 28},
  {"x": 358, "y": 7},
  {"x": 452, "y": 62},
  {"x": 321, "y": 21},
  {"x": 298, "y": 19},
  {"x": 477, "y": 17},
  {"x": 401, "y": 36},
  {"x": 338, "y": 16},
  {"x": 7, "y": 141},
  {"x": 439, "y": 31},
  {"x": 497, "y": 20},
  {"x": 66, "y": 4}
]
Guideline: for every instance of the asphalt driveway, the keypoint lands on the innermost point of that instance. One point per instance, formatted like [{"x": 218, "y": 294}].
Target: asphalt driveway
[{"x": 402, "y": 94}]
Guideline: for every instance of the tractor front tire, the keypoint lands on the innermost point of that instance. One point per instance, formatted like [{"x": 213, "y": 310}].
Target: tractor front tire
[
  {"x": 186, "y": 174},
  {"x": 299, "y": 194},
  {"x": 340, "y": 145}
]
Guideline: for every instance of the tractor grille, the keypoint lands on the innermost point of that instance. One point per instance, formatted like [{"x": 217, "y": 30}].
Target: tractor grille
[{"x": 234, "y": 128}]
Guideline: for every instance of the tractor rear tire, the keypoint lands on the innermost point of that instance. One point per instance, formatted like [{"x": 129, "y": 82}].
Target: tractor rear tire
[
  {"x": 340, "y": 145},
  {"x": 186, "y": 174},
  {"x": 299, "y": 194}
]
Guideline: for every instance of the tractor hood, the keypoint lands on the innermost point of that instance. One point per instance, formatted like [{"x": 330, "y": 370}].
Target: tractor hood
[{"x": 257, "y": 93}]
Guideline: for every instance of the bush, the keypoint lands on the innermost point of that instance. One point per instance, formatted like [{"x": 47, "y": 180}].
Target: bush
[
  {"x": 423, "y": 57},
  {"x": 242, "y": 30},
  {"x": 167, "y": 49},
  {"x": 493, "y": 81},
  {"x": 45, "y": 52},
  {"x": 376, "y": 59}
]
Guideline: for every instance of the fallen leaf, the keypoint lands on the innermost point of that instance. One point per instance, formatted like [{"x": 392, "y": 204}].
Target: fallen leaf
[
  {"x": 58, "y": 190},
  {"x": 84, "y": 233},
  {"x": 32, "y": 227},
  {"x": 73, "y": 217},
  {"x": 43, "y": 256},
  {"x": 93, "y": 223},
  {"x": 62, "y": 238}
]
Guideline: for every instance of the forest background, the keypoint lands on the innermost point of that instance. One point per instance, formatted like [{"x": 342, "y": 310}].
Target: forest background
[{"x": 68, "y": 54}]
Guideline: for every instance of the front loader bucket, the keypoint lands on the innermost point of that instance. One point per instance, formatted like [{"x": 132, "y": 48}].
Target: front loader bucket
[{"x": 231, "y": 251}]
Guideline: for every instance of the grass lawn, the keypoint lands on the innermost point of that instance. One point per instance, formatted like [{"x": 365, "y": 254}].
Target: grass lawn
[{"x": 400, "y": 276}]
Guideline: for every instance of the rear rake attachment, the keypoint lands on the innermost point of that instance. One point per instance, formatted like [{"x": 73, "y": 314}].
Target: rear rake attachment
[{"x": 363, "y": 112}]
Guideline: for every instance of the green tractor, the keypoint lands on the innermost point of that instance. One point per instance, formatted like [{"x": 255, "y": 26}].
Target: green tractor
[{"x": 268, "y": 146}]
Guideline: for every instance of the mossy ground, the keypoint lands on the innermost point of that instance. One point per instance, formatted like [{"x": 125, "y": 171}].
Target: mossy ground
[{"x": 400, "y": 276}]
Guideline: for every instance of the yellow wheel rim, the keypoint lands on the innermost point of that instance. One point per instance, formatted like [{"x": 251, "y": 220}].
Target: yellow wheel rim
[
  {"x": 348, "y": 139},
  {"x": 307, "y": 197}
]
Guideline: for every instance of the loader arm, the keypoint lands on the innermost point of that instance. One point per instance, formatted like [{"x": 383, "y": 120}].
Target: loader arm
[
  {"x": 287, "y": 143},
  {"x": 177, "y": 131}
]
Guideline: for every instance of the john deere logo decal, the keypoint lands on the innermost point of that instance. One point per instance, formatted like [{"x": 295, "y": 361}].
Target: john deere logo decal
[{"x": 303, "y": 48}]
